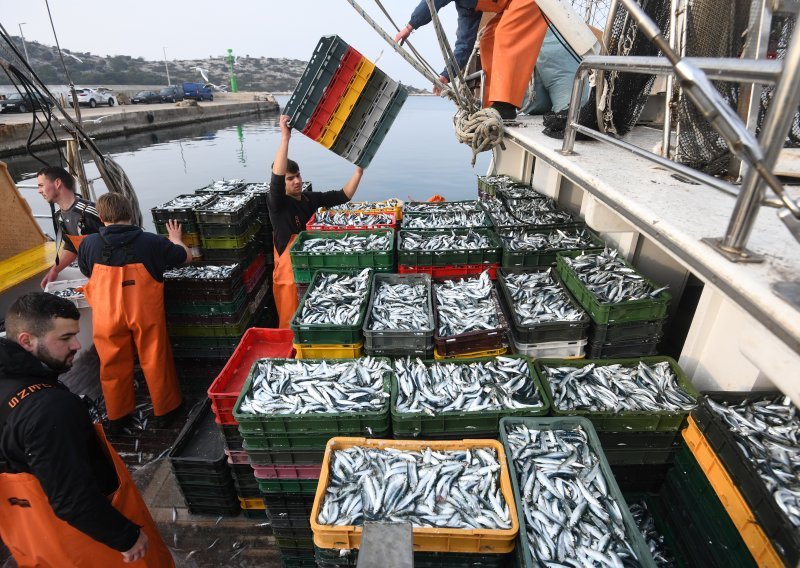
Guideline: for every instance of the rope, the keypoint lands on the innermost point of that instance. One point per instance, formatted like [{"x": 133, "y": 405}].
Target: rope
[{"x": 480, "y": 130}]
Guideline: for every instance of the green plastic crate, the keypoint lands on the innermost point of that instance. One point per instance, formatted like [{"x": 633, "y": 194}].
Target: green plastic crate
[
  {"x": 211, "y": 342},
  {"x": 634, "y": 537},
  {"x": 231, "y": 242},
  {"x": 301, "y": 441},
  {"x": 330, "y": 334},
  {"x": 212, "y": 330},
  {"x": 632, "y": 310},
  {"x": 293, "y": 485},
  {"x": 331, "y": 424},
  {"x": 202, "y": 309},
  {"x": 661, "y": 521},
  {"x": 621, "y": 421},
  {"x": 489, "y": 255},
  {"x": 304, "y": 264},
  {"x": 412, "y": 424},
  {"x": 535, "y": 258}
]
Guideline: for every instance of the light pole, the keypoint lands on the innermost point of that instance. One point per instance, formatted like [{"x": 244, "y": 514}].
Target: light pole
[
  {"x": 24, "y": 47},
  {"x": 169, "y": 83}
]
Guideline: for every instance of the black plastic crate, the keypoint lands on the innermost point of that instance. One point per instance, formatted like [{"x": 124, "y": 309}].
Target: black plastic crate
[
  {"x": 198, "y": 493},
  {"x": 292, "y": 532},
  {"x": 624, "y": 349},
  {"x": 284, "y": 457},
  {"x": 648, "y": 478},
  {"x": 199, "y": 447},
  {"x": 288, "y": 501},
  {"x": 625, "y": 332},
  {"x": 167, "y": 211},
  {"x": 233, "y": 438},
  {"x": 282, "y": 520}
]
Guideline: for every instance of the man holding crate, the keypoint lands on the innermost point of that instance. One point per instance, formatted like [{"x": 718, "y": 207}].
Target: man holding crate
[{"x": 290, "y": 208}]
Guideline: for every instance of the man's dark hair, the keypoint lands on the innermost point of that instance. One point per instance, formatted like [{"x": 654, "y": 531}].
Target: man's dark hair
[
  {"x": 35, "y": 313},
  {"x": 57, "y": 172},
  {"x": 292, "y": 167}
]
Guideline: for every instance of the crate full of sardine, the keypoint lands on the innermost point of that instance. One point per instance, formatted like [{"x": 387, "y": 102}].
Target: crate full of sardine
[
  {"x": 457, "y": 495},
  {"x": 532, "y": 247},
  {"x": 315, "y": 250},
  {"x": 450, "y": 247}
]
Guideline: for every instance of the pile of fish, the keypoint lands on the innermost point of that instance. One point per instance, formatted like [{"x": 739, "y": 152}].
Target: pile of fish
[
  {"x": 519, "y": 192},
  {"x": 442, "y": 207},
  {"x": 614, "y": 388},
  {"x": 367, "y": 205},
  {"x": 336, "y": 299},
  {"x": 768, "y": 433},
  {"x": 610, "y": 279},
  {"x": 186, "y": 202},
  {"x": 496, "y": 181},
  {"x": 352, "y": 219},
  {"x": 444, "y": 241},
  {"x": 536, "y": 212},
  {"x": 399, "y": 306},
  {"x": 446, "y": 220},
  {"x": 349, "y": 242},
  {"x": 222, "y": 186},
  {"x": 201, "y": 272},
  {"x": 571, "y": 518},
  {"x": 466, "y": 305},
  {"x": 560, "y": 239},
  {"x": 301, "y": 387},
  {"x": 538, "y": 298},
  {"x": 457, "y": 489},
  {"x": 256, "y": 188},
  {"x": 68, "y": 293},
  {"x": 502, "y": 383},
  {"x": 654, "y": 539},
  {"x": 228, "y": 203}
]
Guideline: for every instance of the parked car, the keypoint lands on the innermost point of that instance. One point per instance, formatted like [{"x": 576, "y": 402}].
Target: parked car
[
  {"x": 171, "y": 94},
  {"x": 16, "y": 102},
  {"x": 197, "y": 91},
  {"x": 94, "y": 97},
  {"x": 145, "y": 98}
]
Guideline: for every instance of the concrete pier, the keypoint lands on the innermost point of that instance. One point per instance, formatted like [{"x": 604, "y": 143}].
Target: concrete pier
[{"x": 120, "y": 120}]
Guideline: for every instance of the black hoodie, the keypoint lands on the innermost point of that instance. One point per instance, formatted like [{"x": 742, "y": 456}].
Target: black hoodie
[{"x": 50, "y": 435}]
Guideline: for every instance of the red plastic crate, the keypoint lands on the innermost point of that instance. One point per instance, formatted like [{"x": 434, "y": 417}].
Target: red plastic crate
[
  {"x": 256, "y": 343},
  {"x": 333, "y": 93},
  {"x": 312, "y": 226},
  {"x": 309, "y": 471},
  {"x": 237, "y": 457},
  {"x": 252, "y": 275},
  {"x": 451, "y": 271}
]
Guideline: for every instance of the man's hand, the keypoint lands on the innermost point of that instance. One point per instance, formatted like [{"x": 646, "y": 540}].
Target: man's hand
[
  {"x": 438, "y": 90},
  {"x": 51, "y": 275},
  {"x": 174, "y": 231},
  {"x": 402, "y": 36},
  {"x": 138, "y": 550},
  {"x": 283, "y": 122}
]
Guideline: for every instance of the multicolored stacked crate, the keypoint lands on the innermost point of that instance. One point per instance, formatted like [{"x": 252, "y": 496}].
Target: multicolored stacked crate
[
  {"x": 182, "y": 209},
  {"x": 228, "y": 228},
  {"x": 344, "y": 102}
]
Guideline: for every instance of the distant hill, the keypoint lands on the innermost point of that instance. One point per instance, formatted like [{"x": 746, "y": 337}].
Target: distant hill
[{"x": 86, "y": 69}]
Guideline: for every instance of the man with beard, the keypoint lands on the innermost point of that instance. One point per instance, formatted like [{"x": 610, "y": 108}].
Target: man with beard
[{"x": 66, "y": 498}]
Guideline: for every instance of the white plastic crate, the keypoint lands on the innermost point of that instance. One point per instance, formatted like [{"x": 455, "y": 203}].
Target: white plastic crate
[
  {"x": 58, "y": 285},
  {"x": 552, "y": 349}
]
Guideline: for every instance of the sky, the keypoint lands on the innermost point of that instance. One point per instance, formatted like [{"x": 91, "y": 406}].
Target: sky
[{"x": 203, "y": 28}]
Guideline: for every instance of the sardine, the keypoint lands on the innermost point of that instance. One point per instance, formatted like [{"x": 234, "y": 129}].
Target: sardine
[
  {"x": 610, "y": 279},
  {"x": 336, "y": 299},
  {"x": 446, "y": 220},
  {"x": 347, "y": 243},
  {"x": 352, "y": 219},
  {"x": 654, "y": 539},
  {"x": 466, "y": 305},
  {"x": 561, "y": 239},
  {"x": 415, "y": 207},
  {"x": 443, "y": 241},
  {"x": 201, "y": 272},
  {"x": 538, "y": 298},
  {"x": 228, "y": 203},
  {"x": 186, "y": 202},
  {"x": 399, "y": 306},
  {"x": 367, "y": 205}
]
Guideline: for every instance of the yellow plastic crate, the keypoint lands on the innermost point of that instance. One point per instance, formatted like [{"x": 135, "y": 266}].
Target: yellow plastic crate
[
  {"x": 484, "y": 541},
  {"x": 471, "y": 355},
  {"x": 346, "y": 103},
  {"x": 752, "y": 534},
  {"x": 320, "y": 351},
  {"x": 252, "y": 503}
]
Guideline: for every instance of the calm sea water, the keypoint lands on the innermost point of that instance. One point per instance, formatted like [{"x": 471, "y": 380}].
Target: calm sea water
[{"x": 419, "y": 157}]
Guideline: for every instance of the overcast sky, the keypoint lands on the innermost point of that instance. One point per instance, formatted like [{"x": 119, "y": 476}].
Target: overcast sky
[{"x": 203, "y": 28}]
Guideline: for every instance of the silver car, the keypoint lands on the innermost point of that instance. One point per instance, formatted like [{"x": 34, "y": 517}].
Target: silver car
[{"x": 94, "y": 97}]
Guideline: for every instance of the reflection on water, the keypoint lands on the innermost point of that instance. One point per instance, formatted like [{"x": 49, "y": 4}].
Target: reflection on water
[{"x": 419, "y": 157}]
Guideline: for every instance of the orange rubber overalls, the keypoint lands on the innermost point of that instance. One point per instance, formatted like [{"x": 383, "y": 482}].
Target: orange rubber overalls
[
  {"x": 509, "y": 48},
  {"x": 283, "y": 287},
  {"x": 127, "y": 310},
  {"x": 37, "y": 538}
]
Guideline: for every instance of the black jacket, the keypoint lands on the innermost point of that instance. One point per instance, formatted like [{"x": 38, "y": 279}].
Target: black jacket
[{"x": 50, "y": 435}]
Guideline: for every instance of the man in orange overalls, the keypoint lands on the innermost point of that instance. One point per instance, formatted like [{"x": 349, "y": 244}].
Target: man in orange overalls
[
  {"x": 66, "y": 498},
  {"x": 290, "y": 208},
  {"x": 126, "y": 269},
  {"x": 509, "y": 46}
]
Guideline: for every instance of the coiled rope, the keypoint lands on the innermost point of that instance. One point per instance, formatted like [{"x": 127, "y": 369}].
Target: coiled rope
[{"x": 480, "y": 130}]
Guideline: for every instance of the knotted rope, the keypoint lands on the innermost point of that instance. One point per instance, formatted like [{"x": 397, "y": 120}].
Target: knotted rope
[{"x": 480, "y": 130}]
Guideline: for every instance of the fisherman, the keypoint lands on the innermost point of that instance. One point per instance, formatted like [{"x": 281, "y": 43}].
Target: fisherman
[
  {"x": 126, "y": 269},
  {"x": 74, "y": 218},
  {"x": 290, "y": 208},
  {"x": 509, "y": 45},
  {"x": 66, "y": 498}
]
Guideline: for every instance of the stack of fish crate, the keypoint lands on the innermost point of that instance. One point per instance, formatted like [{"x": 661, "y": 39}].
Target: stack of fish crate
[
  {"x": 533, "y": 248},
  {"x": 469, "y": 319},
  {"x": 286, "y": 412},
  {"x": 207, "y": 313},
  {"x": 182, "y": 209},
  {"x": 344, "y": 102},
  {"x": 521, "y": 208},
  {"x": 329, "y": 320},
  {"x": 260, "y": 194},
  {"x": 200, "y": 466},
  {"x": 488, "y": 185},
  {"x": 636, "y": 405},
  {"x": 399, "y": 321},
  {"x": 627, "y": 309},
  {"x": 256, "y": 343},
  {"x": 585, "y": 490},
  {"x": 447, "y": 239},
  {"x": 545, "y": 320},
  {"x": 741, "y": 459},
  {"x": 228, "y": 228},
  {"x": 476, "y": 529}
]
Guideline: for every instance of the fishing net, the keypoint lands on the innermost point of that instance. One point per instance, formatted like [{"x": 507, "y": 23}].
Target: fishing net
[
  {"x": 623, "y": 95},
  {"x": 780, "y": 35}
]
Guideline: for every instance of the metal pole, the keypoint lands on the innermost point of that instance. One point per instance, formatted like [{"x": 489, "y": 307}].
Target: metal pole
[
  {"x": 785, "y": 101},
  {"x": 24, "y": 46},
  {"x": 666, "y": 140},
  {"x": 574, "y": 109},
  {"x": 169, "y": 82}
]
